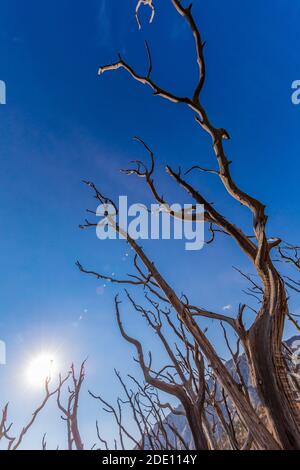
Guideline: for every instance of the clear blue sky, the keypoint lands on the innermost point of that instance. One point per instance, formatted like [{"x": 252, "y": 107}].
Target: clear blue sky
[{"x": 62, "y": 123}]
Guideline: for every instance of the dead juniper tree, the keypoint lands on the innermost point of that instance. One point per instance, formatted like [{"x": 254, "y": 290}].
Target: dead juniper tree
[
  {"x": 192, "y": 382},
  {"x": 70, "y": 410},
  {"x": 155, "y": 283},
  {"x": 151, "y": 428},
  {"x": 262, "y": 341},
  {"x": 204, "y": 404},
  {"x": 183, "y": 377},
  {"x": 6, "y": 428}
]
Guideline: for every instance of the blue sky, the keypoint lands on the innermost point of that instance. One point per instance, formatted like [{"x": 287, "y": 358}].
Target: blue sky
[{"x": 62, "y": 123}]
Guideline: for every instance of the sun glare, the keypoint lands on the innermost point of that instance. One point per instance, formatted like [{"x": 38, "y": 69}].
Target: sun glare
[{"x": 40, "y": 368}]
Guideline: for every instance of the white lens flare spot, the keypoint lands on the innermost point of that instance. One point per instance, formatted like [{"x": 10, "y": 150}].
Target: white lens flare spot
[{"x": 40, "y": 368}]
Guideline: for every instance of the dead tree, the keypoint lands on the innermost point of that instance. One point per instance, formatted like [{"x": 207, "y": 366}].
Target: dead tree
[
  {"x": 70, "y": 411},
  {"x": 14, "y": 442},
  {"x": 183, "y": 377},
  {"x": 152, "y": 431},
  {"x": 262, "y": 342},
  {"x": 155, "y": 282}
]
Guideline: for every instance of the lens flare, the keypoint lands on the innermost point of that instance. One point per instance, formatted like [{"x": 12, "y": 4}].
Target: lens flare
[{"x": 42, "y": 367}]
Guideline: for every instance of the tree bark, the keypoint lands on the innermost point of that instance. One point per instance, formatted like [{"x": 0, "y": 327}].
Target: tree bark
[
  {"x": 195, "y": 420},
  {"x": 209, "y": 433},
  {"x": 268, "y": 369}
]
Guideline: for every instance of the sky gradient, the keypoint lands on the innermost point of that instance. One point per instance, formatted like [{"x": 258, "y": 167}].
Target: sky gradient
[{"x": 62, "y": 124}]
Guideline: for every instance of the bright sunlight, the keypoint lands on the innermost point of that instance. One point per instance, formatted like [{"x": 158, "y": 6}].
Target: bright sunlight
[{"x": 40, "y": 368}]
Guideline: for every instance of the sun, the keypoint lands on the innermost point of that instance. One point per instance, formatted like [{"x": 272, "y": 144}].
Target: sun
[{"x": 41, "y": 367}]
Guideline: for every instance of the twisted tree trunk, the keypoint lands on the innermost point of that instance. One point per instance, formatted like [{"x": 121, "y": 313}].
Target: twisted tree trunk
[{"x": 267, "y": 365}]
